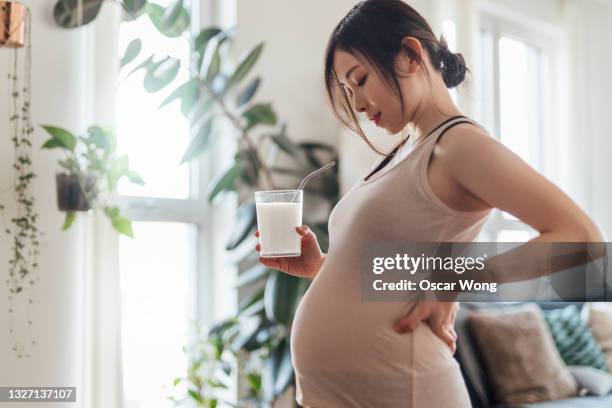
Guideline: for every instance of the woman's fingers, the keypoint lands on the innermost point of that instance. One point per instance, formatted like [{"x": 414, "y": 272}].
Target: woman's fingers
[
  {"x": 447, "y": 334},
  {"x": 410, "y": 322},
  {"x": 257, "y": 247},
  {"x": 270, "y": 262}
]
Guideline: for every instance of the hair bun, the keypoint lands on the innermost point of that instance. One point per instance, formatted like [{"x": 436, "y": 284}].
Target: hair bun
[{"x": 452, "y": 66}]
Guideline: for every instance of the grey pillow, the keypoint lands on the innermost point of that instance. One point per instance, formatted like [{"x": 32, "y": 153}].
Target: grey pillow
[
  {"x": 596, "y": 382},
  {"x": 520, "y": 357}
]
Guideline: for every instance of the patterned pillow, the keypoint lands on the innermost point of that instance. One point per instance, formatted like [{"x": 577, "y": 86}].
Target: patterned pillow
[{"x": 574, "y": 339}]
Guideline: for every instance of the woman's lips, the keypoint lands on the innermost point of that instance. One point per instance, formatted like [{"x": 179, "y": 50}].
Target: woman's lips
[{"x": 377, "y": 119}]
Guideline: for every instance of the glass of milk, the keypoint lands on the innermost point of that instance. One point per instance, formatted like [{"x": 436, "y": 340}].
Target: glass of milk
[{"x": 278, "y": 213}]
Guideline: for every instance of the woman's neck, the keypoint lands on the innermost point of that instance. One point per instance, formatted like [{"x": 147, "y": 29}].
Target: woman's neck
[{"x": 432, "y": 113}]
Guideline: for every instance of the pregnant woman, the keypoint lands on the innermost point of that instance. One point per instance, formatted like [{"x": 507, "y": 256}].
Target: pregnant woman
[{"x": 440, "y": 184}]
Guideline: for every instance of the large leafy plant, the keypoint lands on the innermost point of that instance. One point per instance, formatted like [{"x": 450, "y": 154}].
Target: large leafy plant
[
  {"x": 219, "y": 99},
  {"x": 92, "y": 158}
]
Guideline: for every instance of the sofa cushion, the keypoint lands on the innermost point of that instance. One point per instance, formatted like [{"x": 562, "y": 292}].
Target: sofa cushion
[
  {"x": 519, "y": 355},
  {"x": 600, "y": 321},
  {"x": 574, "y": 339}
]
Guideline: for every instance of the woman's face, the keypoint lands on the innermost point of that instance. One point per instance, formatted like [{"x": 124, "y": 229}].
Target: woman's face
[{"x": 370, "y": 95}]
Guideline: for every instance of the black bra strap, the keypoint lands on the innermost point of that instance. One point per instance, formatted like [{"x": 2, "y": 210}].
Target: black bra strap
[{"x": 390, "y": 155}]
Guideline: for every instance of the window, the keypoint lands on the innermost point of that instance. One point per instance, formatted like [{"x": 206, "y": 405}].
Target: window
[
  {"x": 514, "y": 103},
  {"x": 449, "y": 30},
  {"x": 170, "y": 274},
  {"x": 156, "y": 302}
]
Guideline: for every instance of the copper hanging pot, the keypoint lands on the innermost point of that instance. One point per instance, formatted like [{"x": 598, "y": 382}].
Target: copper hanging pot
[{"x": 13, "y": 20}]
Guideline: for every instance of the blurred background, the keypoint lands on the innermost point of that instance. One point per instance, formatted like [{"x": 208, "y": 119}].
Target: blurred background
[{"x": 112, "y": 307}]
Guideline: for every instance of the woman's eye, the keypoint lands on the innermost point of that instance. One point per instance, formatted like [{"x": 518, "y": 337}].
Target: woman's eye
[{"x": 363, "y": 81}]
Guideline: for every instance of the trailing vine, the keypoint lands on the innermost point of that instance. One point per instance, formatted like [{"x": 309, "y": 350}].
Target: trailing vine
[{"x": 22, "y": 229}]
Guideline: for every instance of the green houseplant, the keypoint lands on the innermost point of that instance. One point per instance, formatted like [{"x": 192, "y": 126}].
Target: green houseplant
[
  {"x": 215, "y": 96},
  {"x": 91, "y": 172},
  {"x": 219, "y": 99}
]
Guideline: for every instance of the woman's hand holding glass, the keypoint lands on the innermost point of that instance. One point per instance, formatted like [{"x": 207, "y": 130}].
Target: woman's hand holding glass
[{"x": 306, "y": 265}]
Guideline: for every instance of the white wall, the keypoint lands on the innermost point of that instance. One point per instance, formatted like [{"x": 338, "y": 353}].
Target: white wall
[
  {"x": 57, "y": 77},
  {"x": 61, "y": 95},
  {"x": 296, "y": 34}
]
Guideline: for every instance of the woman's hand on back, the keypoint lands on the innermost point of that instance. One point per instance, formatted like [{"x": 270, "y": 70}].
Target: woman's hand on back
[
  {"x": 439, "y": 315},
  {"x": 306, "y": 265}
]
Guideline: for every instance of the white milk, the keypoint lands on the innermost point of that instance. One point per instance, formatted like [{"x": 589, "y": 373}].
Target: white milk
[{"x": 276, "y": 223}]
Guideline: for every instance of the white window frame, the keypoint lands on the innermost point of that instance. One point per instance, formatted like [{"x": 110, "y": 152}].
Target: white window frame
[
  {"x": 501, "y": 22},
  {"x": 213, "y": 274}
]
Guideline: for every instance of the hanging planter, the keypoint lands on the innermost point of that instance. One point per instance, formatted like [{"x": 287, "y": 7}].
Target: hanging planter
[
  {"x": 20, "y": 218},
  {"x": 92, "y": 170},
  {"x": 70, "y": 195},
  {"x": 13, "y": 19}
]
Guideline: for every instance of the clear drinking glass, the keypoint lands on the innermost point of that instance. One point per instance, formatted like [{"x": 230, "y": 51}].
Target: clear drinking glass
[{"x": 278, "y": 213}]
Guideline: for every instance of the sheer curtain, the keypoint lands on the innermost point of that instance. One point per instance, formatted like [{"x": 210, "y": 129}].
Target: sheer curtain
[
  {"x": 101, "y": 339},
  {"x": 588, "y": 139}
]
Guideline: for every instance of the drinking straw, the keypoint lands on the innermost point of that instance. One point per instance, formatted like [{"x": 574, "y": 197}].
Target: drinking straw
[{"x": 314, "y": 173}]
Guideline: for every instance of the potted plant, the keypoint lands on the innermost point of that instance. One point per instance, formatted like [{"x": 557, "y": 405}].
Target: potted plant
[{"x": 92, "y": 170}]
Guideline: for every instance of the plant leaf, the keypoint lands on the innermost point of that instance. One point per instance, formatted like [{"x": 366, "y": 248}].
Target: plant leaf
[
  {"x": 250, "y": 299},
  {"x": 131, "y": 51},
  {"x": 171, "y": 14},
  {"x": 123, "y": 226},
  {"x": 199, "y": 142},
  {"x": 188, "y": 93},
  {"x": 211, "y": 60},
  {"x": 62, "y": 137},
  {"x": 118, "y": 169},
  {"x": 132, "y": 9},
  {"x": 68, "y": 220},
  {"x": 66, "y": 12},
  {"x": 225, "y": 182},
  {"x": 143, "y": 65},
  {"x": 247, "y": 220},
  {"x": 248, "y": 331},
  {"x": 251, "y": 275},
  {"x": 244, "y": 66},
  {"x": 260, "y": 114},
  {"x": 196, "y": 396},
  {"x": 102, "y": 138},
  {"x": 281, "y": 296},
  {"x": 111, "y": 212},
  {"x": 156, "y": 14},
  {"x": 161, "y": 73},
  {"x": 247, "y": 94},
  {"x": 203, "y": 37},
  {"x": 135, "y": 178},
  {"x": 278, "y": 371},
  {"x": 286, "y": 144}
]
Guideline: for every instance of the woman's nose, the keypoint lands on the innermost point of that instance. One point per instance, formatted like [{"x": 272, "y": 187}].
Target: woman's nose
[{"x": 360, "y": 105}]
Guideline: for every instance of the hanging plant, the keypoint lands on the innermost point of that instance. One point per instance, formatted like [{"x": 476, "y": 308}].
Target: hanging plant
[
  {"x": 171, "y": 21},
  {"x": 92, "y": 171},
  {"x": 22, "y": 226}
]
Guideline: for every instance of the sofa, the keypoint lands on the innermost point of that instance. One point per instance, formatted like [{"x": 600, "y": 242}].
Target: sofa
[{"x": 473, "y": 370}]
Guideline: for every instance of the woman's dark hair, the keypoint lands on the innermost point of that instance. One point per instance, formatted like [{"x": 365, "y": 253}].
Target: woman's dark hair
[{"x": 375, "y": 29}]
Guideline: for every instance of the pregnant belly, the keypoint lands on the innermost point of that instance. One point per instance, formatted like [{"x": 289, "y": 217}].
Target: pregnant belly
[
  {"x": 346, "y": 353},
  {"x": 335, "y": 330}
]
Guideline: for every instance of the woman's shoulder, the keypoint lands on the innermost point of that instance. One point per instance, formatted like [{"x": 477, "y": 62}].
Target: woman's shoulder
[{"x": 462, "y": 141}]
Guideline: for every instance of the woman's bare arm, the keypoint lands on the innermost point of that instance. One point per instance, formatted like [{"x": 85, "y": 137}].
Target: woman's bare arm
[{"x": 491, "y": 172}]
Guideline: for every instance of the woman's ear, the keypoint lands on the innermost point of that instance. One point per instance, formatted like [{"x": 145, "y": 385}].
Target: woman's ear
[{"x": 407, "y": 62}]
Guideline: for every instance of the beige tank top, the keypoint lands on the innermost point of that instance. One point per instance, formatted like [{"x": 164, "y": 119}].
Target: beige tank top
[{"x": 344, "y": 351}]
